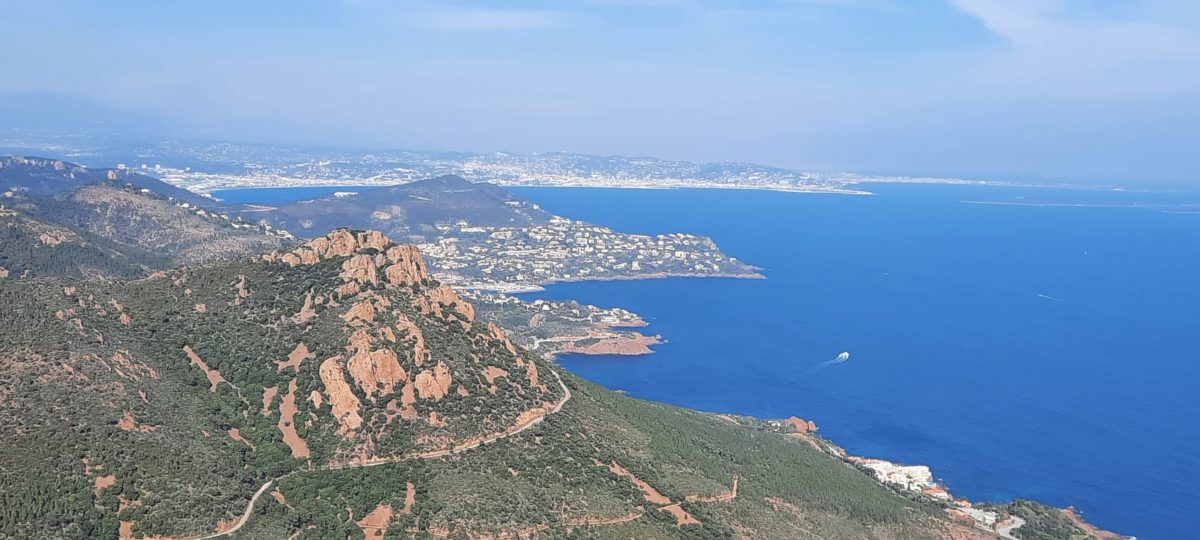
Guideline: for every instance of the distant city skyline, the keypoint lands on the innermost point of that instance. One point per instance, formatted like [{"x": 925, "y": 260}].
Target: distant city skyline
[{"x": 1038, "y": 90}]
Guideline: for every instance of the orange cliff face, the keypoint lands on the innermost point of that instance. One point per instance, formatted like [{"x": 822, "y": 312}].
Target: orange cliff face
[
  {"x": 384, "y": 376},
  {"x": 373, "y": 259},
  {"x": 800, "y": 425}
]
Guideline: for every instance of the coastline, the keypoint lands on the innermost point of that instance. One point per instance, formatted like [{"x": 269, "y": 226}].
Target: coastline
[
  {"x": 776, "y": 188},
  {"x": 916, "y": 481},
  {"x": 209, "y": 188},
  {"x": 908, "y": 480},
  {"x": 541, "y": 286},
  {"x": 850, "y": 186},
  {"x": 636, "y": 344}
]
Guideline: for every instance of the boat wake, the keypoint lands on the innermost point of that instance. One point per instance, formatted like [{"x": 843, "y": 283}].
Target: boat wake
[{"x": 841, "y": 358}]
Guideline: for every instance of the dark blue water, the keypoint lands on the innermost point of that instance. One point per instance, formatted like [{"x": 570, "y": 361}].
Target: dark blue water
[
  {"x": 1022, "y": 350},
  {"x": 280, "y": 195},
  {"x": 1045, "y": 352}
]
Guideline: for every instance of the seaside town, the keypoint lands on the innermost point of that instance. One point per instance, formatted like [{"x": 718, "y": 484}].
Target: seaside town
[
  {"x": 204, "y": 167},
  {"x": 515, "y": 259}
]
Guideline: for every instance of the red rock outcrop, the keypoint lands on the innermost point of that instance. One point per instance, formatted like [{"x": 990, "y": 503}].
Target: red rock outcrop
[
  {"x": 339, "y": 243},
  {"x": 799, "y": 425},
  {"x": 287, "y": 414},
  {"x": 435, "y": 298},
  {"x": 492, "y": 373},
  {"x": 500, "y": 336},
  {"x": 278, "y": 496},
  {"x": 361, "y": 269},
  {"x": 408, "y": 267},
  {"x": 373, "y": 370},
  {"x": 375, "y": 524},
  {"x": 214, "y": 376},
  {"x": 411, "y": 330},
  {"x": 390, "y": 307},
  {"x": 341, "y": 397},
  {"x": 436, "y": 384},
  {"x": 368, "y": 250},
  {"x": 298, "y": 355},
  {"x": 269, "y": 394},
  {"x": 360, "y": 313},
  {"x": 102, "y": 482},
  {"x": 306, "y": 312}
]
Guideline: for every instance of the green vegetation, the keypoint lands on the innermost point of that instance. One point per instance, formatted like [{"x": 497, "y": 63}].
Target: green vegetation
[
  {"x": 29, "y": 247},
  {"x": 111, "y": 425},
  {"x": 1043, "y": 522},
  {"x": 110, "y": 222}
]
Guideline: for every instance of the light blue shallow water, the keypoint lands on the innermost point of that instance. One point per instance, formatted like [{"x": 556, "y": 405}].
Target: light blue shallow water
[{"x": 1046, "y": 352}]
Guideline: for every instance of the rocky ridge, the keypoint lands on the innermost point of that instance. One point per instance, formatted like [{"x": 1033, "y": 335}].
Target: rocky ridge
[{"x": 386, "y": 359}]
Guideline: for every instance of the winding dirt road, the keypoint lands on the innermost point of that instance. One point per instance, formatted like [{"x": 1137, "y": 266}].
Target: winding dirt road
[
  {"x": 423, "y": 455},
  {"x": 245, "y": 515}
]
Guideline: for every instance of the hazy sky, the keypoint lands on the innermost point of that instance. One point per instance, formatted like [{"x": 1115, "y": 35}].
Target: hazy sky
[{"x": 1030, "y": 89}]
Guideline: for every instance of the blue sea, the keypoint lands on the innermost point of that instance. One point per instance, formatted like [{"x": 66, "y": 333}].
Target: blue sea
[{"x": 1023, "y": 342}]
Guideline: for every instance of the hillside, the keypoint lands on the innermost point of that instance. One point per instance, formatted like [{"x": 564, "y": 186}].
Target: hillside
[
  {"x": 478, "y": 236},
  {"x": 41, "y": 176},
  {"x": 410, "y": 211},
  {"x": 132, "y": 212},
  {"x": 359, "y": 397},
  {"x": 29, "y": 248}
]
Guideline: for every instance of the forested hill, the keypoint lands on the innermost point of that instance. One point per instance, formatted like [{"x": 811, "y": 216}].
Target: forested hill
[
  {"x": 43, "y": 176},
  {"x": 33, "y": 248},
  {"x": 413, "y": 210},
  {"x": 359, "y": 397},
  {"x": 129, "y": 222}
]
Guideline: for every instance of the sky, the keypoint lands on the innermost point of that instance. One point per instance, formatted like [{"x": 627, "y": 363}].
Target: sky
[{"x": 1065, "y": 90}]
